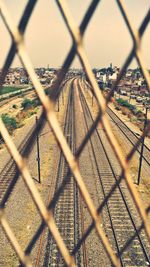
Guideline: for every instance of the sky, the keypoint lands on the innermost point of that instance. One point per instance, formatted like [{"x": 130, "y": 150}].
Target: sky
[{"x": 107, "y": 39}]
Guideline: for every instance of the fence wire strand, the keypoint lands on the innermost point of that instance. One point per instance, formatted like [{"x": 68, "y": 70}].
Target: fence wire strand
[{"x": 77, "y": 34}]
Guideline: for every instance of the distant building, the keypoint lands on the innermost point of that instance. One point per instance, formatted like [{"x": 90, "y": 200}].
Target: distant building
[{"x": 113, "y": 76}]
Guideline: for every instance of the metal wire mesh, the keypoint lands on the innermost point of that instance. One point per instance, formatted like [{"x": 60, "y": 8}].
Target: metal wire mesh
[{"x": 76, "y": 33}]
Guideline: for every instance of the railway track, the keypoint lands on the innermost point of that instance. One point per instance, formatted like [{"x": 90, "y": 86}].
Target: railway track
[
  {"x": 66, "y": 211},
  {"x": 120, "y": 219},
  {"x": 10, "y": 172},
  {"x": 131, "y": 136},
  {"x": 126, "y": 131},
  {"x": 120, "y": 222}
]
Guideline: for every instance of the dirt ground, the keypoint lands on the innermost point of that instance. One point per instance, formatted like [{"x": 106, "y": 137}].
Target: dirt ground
[
  {"x": 8, "y": 108},
  {"x": 127, "y": 121}
]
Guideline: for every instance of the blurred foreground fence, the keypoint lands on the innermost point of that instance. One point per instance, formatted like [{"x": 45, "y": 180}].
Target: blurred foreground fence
[{"x": 77, "y": 33}]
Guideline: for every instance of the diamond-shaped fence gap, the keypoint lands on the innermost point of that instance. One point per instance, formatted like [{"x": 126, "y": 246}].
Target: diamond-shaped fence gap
[
  {"x": 98, "y": 40},
  {"x": 50, "y": 39}
]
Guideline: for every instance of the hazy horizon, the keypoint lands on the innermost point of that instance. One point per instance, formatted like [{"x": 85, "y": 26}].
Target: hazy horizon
[{"x": 106, "y": 40}]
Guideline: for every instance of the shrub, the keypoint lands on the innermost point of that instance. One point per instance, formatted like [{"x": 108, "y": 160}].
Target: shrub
[
  {"x": 140, "y": 116},
  {"x": 32, "y": 113},
  {"x": 139, "y": 112},
  {"x": 125, "y": 103},
  {"x": 9, "y": 122},
  {"x": 117, "y": 107},
  {"x": 27, "y": 103},
  {"x": 36, "y": 102},
  {"x": 14, "y": 106}
]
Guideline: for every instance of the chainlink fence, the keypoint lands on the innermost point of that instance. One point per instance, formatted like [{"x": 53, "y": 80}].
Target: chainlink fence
[{"x": 77, "y": 33}]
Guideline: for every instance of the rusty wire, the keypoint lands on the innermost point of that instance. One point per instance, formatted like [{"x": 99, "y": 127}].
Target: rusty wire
[{"x": 18, "y": 46}]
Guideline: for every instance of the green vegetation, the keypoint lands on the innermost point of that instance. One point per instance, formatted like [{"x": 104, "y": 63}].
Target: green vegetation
[
  {"x": 36, "y": 102},
  {"x": 14, "y": 106},
  {"x": 8, "y": 89},
  {"x": 28, "y": 103},
  {"x": 32, "y": 113},
  {"x": 9, "y": 122},
  {"x": 126, "y": 104},
  {"x": 135, "y": 115},
  {"x": 140, "y": 115},
  {"x": 28, "y": 106},
  {"x": 7, "y": 97}
]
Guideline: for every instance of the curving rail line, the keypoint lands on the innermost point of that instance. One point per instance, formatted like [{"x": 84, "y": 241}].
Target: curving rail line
[
  {"x": 119, "y": 222},
  {"x": 130, "y": 135}
]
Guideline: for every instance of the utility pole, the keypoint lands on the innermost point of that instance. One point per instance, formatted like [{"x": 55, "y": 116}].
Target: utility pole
[
  {"x": 38, "y": 153},
  {"x": 142, "y": 148}
]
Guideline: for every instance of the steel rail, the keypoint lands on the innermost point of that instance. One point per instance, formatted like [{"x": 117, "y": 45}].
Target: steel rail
[
  {"x": 24, "y": 148},
  {"x": 139, "y": 141},
  {"x": 85, "y": 114},
  {"x": 62, "y": 169},
  {"x": 10, "y": 172},
  {"x": 130, "y": 135},
  {"x": 80, "y": 204},
  {"x": 50, "y": 195},
  {"x": 88, "y": 113},
  {"x": 77, "y": 47},
  {"x": 109, "y": 110}
]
